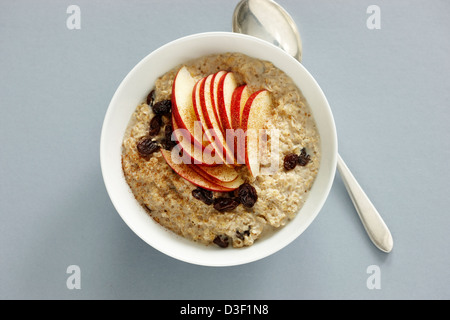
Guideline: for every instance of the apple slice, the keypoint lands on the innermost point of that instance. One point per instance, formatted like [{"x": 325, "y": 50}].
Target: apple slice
[
  {"x": 232, "y": 185},
  {"x": 214, "y": 87},
  {"x": 226, "y": 86},
  {"x": 210, "y": 137},
  {"x": 182, "y": 108},
  {"x": 238, "y": 100},
  {"x": 254, "y": 115},
  {"x": 212, "y": 123},
  {"x": 198, "y": 154},
  {"x": 186, "y": 172},
  {"x": 221, "y": 173}
]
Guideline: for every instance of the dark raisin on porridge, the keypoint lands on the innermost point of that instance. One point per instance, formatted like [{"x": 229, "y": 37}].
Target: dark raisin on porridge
[
  {"x": 147, "y": 147},
  {"x": 225, "y": 204},
  {"x": 221, "y": 240},
  {"x": 234, "y": 195},
  {"x": 247, "y": 195},
  {"x": 163, "y": 107},
  {"x": 203, "y": 195},
  {"x": 303, "y": 158},
  {"x": 167, "y": 143},
  {"x": 290, "y": 161},
  {"x": 155, "y": 125}
]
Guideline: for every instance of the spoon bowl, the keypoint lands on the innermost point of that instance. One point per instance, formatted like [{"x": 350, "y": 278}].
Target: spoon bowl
[{"x": 268, "y": 21}]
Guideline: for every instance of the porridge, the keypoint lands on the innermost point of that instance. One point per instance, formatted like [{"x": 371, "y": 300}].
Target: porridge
[{"x": 244, "y": 205}]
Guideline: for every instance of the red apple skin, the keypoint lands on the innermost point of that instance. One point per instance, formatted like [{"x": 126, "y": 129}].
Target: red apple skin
[
  {"x": 195, "y": 102},
  {"x": 247, "y": 108},
  {"x": 198, "y": 102},
  {"x": 197, "y": 108},
  {"x": 179, "y": 119},
  {"x": 207, "y": 113},
  {"x": 213, "y": 90},
  {"x": 224, "y": 118},
  {"x": 187, "y": 172},
  {"x": 238, "y": 99},
  {"x": 236, "y": 107},
  {"x": 213, "y": 123},
  {"x": 253, "y": 117}
]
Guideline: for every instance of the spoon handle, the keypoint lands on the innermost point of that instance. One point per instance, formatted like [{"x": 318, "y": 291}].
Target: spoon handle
[{"x": 373, "y": 223}]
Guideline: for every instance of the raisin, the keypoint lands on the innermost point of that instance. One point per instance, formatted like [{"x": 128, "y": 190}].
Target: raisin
[
  {"x": 203, "y": 195},
  {"x": 225, "y": 204},
  {"x": 168, "y": 129},
  {"x": 233, "y": 194},
  {"x": 155, "y": 125},
  {"x": 247, "y": 195},
  {"x": 303, "y": 158},
  {"x": 162, "y": 107},
  {"x": 221, "y": 240},
  {"x": 167, "y": 142},
  {"x": 290, "y": 161},
  {"x": 147, "y": 146},
  {"x": 151, "y": 98}
]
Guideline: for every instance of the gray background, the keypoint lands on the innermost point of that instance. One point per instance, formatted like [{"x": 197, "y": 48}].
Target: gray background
[{"x": 389, "y": 92}]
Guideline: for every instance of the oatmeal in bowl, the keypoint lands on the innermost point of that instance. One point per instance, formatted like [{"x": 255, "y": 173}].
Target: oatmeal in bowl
[{"x": 218, "y": 149}]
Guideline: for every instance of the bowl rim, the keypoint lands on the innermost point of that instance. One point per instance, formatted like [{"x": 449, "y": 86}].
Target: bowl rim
[{"x": 242, "y": 259}]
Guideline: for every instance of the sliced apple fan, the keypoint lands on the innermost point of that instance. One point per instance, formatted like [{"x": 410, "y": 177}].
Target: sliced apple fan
[{"x": 209, "y": 116}]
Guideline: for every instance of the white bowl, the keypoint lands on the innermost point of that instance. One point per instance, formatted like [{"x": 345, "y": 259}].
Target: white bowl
[{"x": 133, "y": 91}]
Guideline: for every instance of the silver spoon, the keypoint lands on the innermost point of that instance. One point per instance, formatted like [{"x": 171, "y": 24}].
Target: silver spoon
[{"x": 267, "y": 20}]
